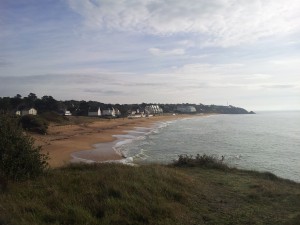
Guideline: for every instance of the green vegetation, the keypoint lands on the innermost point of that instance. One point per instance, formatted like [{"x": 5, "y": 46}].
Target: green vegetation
[
  {"x": 34, "y": 124},
  {"x": 150, "y": 194},
  {"x": 53, "y": 117},
  {"x": 204, "y": 161},
  {"x": 57, "y": 119},
  {"x": 19, "y": 159}
]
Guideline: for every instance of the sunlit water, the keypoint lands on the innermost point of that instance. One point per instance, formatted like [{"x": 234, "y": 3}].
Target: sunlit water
[{"x": 266, "y": 141}]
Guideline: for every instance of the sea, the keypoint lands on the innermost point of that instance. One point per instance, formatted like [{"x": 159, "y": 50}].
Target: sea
[{"x": 265, "y": 141}]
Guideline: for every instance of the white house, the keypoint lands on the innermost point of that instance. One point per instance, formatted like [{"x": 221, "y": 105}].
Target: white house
[
  {"x": 117, "y": 112},
  {"x": 94, "y": 112},
  {"x": 153, "y": 109},
  {"x": 64, "y": 112},
  {"x": 29, "y": 111},
  {"x": 67, "y": 113},
  {"x": 109, "y": 112}
]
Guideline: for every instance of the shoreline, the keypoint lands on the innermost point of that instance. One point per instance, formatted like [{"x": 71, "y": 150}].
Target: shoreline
[
  {"x": 64, "y": 140},
  {"x": 101, "y": 151}
]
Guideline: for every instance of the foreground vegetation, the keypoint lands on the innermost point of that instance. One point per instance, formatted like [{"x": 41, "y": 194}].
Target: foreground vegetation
[
  {"x": 151, "y": 194},
  {"x": 19, "y": 158}
]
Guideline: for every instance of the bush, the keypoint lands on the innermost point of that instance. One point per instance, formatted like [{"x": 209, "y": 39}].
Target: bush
[
  {"x": 199, "y": 161},
  {"x": 54, "y": 117},
  {"x": 34, "y": 124},
  {"x": 19, "y": 158}
]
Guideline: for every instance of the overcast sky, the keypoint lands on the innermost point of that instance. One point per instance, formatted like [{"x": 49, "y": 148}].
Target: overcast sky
[{"x": 246, "y": 53}]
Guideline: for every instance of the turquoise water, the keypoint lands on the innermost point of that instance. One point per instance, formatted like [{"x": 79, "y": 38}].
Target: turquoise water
[{"x": 266, "y": 141}]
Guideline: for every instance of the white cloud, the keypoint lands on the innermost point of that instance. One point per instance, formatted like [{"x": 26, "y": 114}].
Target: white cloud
[
  {"x": 219, "y": 22},
  {"x": 186, "y": 43},
  {"x": 279, "y": 86},
  {"x": 209, "y": 69},
  {"x": 258, "y": 76},
  {"x": 160, "y": 52},
  {"x": 287, "y": 62},
  {"x": 112, "y": 49}
]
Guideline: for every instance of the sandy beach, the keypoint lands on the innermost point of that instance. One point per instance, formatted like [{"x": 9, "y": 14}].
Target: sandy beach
[{"x": 63, "y": 140}]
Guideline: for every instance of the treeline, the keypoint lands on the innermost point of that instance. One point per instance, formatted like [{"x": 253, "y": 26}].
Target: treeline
[{"x": 81, "y": 108}]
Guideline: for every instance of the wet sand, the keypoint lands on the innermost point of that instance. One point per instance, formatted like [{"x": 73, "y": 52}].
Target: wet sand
[{"x": 63, "y": 140}]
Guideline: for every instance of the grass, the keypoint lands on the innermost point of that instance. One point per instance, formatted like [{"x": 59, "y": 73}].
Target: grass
[{"x": 150, "y": 194}]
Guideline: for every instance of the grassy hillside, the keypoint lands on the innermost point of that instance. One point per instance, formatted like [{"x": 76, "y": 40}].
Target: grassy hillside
[{"x": 153, "y": 194}]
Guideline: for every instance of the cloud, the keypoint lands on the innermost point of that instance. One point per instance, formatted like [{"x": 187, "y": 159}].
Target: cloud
[
  {"x": 287, "y": 61},
  {"x": 105, "y": 92},
  {"x": 293, "y": 43},
  {"x": 258, "y": 76},
  {"x": 57, "y": 79},
  {"x": 5, "y": 64},
  {"x": 209, "y": 69},
  {"x": 160, "y": 52},
  {"x": 186, "y": 43},
  {"x": 219, "y": 22},
  {"x": 279, "y": 86}
]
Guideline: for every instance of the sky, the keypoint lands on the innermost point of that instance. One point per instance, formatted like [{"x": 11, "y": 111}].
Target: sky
[{"x": 237, "y": 52}]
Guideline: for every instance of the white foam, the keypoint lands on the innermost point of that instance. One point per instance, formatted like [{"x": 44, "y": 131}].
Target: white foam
[
  {"x": 141, "y": 155},
  {"x": 76, "y": 159},
  {"x": 123, "y": 142},
  {"x": 137, "y": 134},
  {"x": 126, "y": 161},
  {"x": 123, "y": 139},
  {"x": 124, "y": 136}
]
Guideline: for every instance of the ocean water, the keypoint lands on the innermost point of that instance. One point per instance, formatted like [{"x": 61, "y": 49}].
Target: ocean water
[{"x": 266, "y": 141}]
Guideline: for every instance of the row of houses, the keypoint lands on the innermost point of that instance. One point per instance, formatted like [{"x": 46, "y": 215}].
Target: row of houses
[
  {"x": 98, "y": 112},
  {"x": 145, "y": 112},
  {"x": 113, "y": 112},
  {"x": 153, "y": 109},
  {"x": 110, "y": 112}
]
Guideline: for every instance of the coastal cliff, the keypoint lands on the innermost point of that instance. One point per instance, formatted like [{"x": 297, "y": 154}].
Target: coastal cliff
[{"x": 152, "y": 194}]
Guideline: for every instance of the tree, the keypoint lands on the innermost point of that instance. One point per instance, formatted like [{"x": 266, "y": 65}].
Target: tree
[
  {"x": 34, "y": 124},
  {"x": 30, "y": 100},
  {"x": 32, "y": 97},
  {"x": 83, "y": 108},
  {"x": 50, "y": 102},
  {"x": 5, "y": 105},
  {"x": 19, "y": 158},
  {"x": 16, "y": 101},
  {"x": 18, "y": 96}
]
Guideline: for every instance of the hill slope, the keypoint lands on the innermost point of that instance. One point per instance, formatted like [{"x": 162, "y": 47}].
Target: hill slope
[{"x": 153, "y": 194}]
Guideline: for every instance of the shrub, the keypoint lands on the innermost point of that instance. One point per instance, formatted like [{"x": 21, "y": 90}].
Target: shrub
[
  {"x": 19, "y": 158},
  {"x": 199, "y": 161},
  {"x": 34, "y": 124},
  {"x": 3, "y": 183},
  {"x": 54, "y": 117}
]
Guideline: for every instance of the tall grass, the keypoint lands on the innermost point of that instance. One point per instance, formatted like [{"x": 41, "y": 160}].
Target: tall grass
[{"x": 149, "y": 194}]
